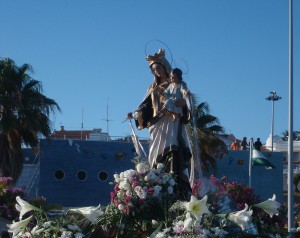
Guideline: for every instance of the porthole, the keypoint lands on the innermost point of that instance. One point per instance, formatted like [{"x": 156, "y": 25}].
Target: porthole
[
  {"x": 103, "y": 176},
  {"x": 59, "y": 174},
  {"x": 81, "y": 175}
]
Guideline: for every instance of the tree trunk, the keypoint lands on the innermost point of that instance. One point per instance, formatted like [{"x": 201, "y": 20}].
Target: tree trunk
[{"x": 11, "y": 158}]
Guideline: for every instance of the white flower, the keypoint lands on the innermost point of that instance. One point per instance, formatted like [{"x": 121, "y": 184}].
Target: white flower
[
  {"x": 187, "y": 224},
  {"x": 165, "y": 178},
  {"x": 16, "y": 227},
  {"x": 124, "y": 185},
  {"x": 120, "y": 193},
  {"x": 170, "y": 190},
  {"x": 270, "y": 206},
  {"x": 178, "y": 227},
  {"x": 73, "y": 227},
  {"x": 172, "y": 182},
  {"x": 117, "y": 178},
  {"x": 24, "y": 207},
  {"x": 241, "y": 218},
  {"x": 27, "y": 235},
  {"x": 47, "y": 224},
  {"x": 154, "y": 222},
  {"x": 128, "y": 192},
  {"x": 129, "y": 173},
  {"x": 219, "y": 232},
  {"x": 197, "y": 207},
  {"x": 140, "y": 192},
  {"x": 157, "y": 189},
  {"x": 66, "y": 234},
  {"x": 163, "y": 234},
  {"x": 160, "y": 166},
  {"x": 79, "y": 235},
  {"x": 120, "y": 206},
  {"x": 37, "y": 230},
  {"x": 150, "y": 176},
  {"x": 142, "y": 167},
  {"x": 90, "y": 213}
]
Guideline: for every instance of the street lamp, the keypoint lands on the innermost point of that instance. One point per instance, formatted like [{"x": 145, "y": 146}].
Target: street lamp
[{"x": 273, "y": 97}]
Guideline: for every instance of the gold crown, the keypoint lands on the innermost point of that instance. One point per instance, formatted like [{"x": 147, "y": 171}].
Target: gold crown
[
  {"x": 159, "y": 57},
  {"x": 153, "y": 58}
]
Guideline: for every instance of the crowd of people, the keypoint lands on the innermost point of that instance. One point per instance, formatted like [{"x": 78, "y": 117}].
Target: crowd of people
[{"x": 244, "y": 144}]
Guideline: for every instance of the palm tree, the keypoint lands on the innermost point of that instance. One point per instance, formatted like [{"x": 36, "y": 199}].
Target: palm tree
[
  {"x": 208, "y": 127},
  {"x": 24, "y": 115}
]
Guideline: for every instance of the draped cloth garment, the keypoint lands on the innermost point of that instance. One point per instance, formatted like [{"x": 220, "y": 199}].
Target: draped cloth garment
[{"x": 167, "y": 135}]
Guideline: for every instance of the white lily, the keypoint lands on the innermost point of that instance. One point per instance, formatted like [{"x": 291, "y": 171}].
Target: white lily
[
  {"x": 270, "y": 206},
  {"x": 23, "y": 207},
  {"x": 241, "y": 218},
  {"x": 16, "y": 227},
  {"x": 188, "y": 222},
  {"x": 197, "y": 207},
  {"x": 90, "y": 213}
]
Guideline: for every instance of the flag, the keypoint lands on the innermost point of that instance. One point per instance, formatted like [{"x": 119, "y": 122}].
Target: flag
[{"x": 258, "y": 159}]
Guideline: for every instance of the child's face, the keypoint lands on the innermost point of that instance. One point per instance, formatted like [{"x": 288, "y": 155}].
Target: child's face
[{"x": 174, "y": 78}]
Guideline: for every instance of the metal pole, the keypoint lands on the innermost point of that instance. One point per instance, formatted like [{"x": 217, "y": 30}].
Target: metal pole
[
  {"x": 273, "y": 97},
  {"x": 272, "y": 130},
  {"x": 290, "y": 139},
  {"x": 250, "y": 160}
]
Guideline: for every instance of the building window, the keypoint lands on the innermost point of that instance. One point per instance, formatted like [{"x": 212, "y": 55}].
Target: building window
[
  {"x": 81, "y": 175},
  {"x": 59, "y": 174},
  {"x": 103, "y": 176}
]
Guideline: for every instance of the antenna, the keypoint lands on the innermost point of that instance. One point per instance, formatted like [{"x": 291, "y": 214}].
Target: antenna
[
  {"x": 107, "y": 120},
  {"x": 81, "y": 124}
]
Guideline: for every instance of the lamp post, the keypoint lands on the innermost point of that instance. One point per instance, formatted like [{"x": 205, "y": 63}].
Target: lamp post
[{"x": 273, "y": 97}]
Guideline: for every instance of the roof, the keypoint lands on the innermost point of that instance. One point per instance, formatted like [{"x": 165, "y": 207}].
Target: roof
[{"x": 77, "y": 134}]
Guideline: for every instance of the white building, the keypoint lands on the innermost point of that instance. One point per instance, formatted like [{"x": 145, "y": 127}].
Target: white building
[{"x": 280, "y": 145}]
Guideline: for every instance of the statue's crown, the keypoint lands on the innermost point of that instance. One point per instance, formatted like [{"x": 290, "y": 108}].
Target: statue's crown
[
  {"x": 159, "y": 57},
  {"x": 156, "y": 57}
]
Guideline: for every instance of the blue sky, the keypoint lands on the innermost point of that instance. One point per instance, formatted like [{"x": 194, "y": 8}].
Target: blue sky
[{"x": 90, "y": 53}]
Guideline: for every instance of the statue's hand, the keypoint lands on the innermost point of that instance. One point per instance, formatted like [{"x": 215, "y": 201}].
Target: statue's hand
[
  {"x": 129, "y": 115},
  {"x": 133, "y": 115}
]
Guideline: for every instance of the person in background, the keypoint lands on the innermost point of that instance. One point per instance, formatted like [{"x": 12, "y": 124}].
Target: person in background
[
  {"x": 244, "y": 144},
  {"x": 235, "y": 145},
  {"x": 257, "y": 144}
]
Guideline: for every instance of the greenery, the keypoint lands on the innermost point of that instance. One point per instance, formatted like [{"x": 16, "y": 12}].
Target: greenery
[
  {"x": 24, "y": 115},
  {"x": 296, "y": 181},
  {"x": 208, "y": 128}
]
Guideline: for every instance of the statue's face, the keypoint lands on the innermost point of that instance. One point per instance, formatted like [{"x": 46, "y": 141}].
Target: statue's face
[
  {"x": 174, "y": 78},
  {"x": 158, "y": 70}
]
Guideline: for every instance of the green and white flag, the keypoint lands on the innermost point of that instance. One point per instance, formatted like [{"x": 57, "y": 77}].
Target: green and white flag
[{"x": 258, "y": 159}]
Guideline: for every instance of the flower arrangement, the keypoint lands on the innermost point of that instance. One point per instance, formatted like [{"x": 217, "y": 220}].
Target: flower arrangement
[
  {"x": 135, "y": 189},
  {"x": 143, "y": 204},
  {"x": 140, "y": 196},
  {"x": 8, "y": 194},
  {"x": 35, "y": 223}
]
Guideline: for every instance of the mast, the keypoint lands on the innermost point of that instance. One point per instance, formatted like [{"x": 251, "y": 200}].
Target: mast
[
  {"x": 81, "y": 124},
  {"x": 107, "y": 118}
]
